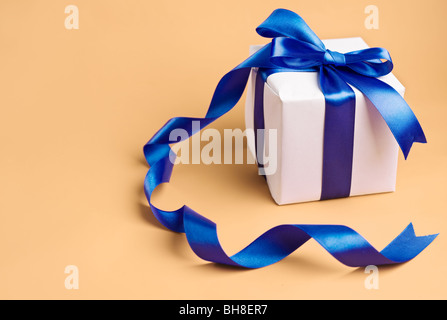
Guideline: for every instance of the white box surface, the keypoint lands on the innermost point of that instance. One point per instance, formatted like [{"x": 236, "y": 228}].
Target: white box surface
[{"x": 295, "y": 106}]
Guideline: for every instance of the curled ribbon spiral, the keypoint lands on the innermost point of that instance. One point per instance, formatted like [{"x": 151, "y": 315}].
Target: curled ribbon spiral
[{"x": 294, "y": 48}]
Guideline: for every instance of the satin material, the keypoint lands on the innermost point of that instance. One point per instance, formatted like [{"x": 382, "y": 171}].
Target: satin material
[
  {"x": 338, "y": 141},
  {"x": 294, "y": 47},
  {"x": 258, "y": 121}
]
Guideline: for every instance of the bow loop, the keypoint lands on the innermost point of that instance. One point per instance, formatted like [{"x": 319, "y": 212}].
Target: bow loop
[
  {"x": 285, "y": 23},
  {"x": 371, "y": 62}
]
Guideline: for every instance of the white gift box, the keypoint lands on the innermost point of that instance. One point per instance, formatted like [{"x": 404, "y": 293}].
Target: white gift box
[{"x": 295, "y": 106}]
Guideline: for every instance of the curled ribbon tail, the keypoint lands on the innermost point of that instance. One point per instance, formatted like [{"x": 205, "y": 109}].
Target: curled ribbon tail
[
  {"x": 407, "y": 245},
  {"x": 160, "y": 156},
  {"x": 343, "y": 243}
]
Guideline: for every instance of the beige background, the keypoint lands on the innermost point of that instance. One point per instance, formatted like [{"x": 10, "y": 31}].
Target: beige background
[{"x": 77, "y": 106}]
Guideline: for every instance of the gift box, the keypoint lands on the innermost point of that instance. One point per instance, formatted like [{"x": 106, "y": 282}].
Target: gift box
[
  {"x": 294, "y": 107},
  {"x": 329, "y": 141}
]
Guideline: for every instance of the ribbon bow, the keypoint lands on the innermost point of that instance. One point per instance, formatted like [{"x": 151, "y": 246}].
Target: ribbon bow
[{"x": 294, "y": 48}]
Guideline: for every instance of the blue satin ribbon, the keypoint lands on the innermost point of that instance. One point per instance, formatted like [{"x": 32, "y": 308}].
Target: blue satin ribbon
[{"x": 294, "y": 48}]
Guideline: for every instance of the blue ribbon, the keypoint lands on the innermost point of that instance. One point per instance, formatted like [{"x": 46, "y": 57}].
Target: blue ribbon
[{"x": 295, "y": 48}]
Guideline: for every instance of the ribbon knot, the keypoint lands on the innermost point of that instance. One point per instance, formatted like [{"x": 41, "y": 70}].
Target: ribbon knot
[{"x": 334, "y": 58}]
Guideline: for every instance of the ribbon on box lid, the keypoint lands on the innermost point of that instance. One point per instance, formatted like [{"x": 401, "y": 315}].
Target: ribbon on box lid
[{"x": 296, "y": 48}]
